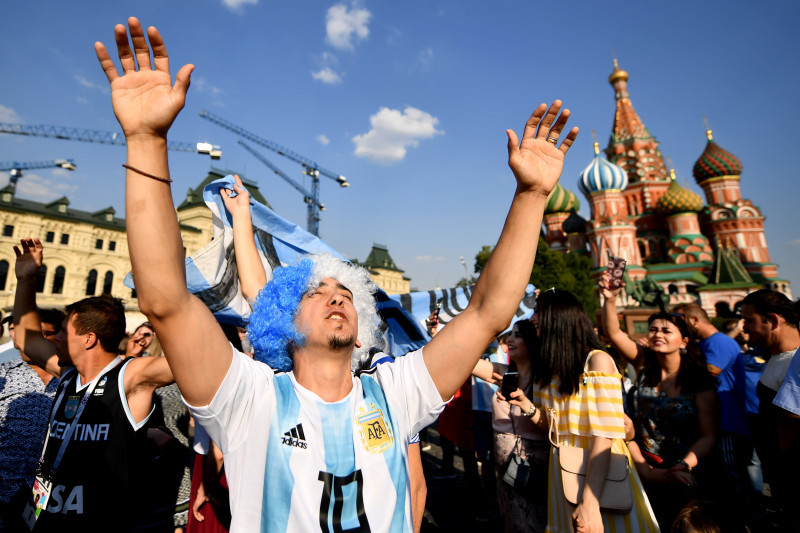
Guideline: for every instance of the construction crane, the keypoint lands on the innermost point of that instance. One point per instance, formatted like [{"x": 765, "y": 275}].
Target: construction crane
[
  {"x": 311, "y": 198},
  {"x": 15, "y": 168},
  {"x": 102, "y": 137},
  {"x": 312, "y": 169}
]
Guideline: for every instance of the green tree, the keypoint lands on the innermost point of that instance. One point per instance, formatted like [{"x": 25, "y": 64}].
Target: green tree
[{"x": 568, "y": 271}]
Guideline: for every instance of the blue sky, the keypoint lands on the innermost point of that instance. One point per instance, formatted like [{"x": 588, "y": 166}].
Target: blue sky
[{"x": 410, "y": 100}]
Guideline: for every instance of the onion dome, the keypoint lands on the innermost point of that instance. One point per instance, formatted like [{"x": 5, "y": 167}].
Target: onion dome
[
  {"x": 715, "y": 162},
  {"x": 561, "y": 201},
  {"x": 678, "y": 200},
  {"x": 574, "y": 224},
  {"x": 601, "y": 174},
  {"x": 618, "y": 74}
]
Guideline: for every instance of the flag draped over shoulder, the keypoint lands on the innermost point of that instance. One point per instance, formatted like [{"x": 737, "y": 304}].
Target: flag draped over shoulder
[{"x": 212, "y": 275}]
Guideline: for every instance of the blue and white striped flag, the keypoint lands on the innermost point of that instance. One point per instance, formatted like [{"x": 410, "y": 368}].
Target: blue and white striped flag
[
  {"x": 422, "y": 304},
  {"x": 212, "y": 276}
]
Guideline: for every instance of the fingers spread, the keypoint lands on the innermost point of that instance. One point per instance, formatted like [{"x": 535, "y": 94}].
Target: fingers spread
[
  {"x": 548, "y": 119},
  {"x": 105, "y": 62},
  {"x": 533, "y": 122},
  {"x": 160, "y": 56},
  {"x": 124, "y": 48},
  {"x": 570, "y": 138},
  {"x": 140, "y": 47},
  {"x": 561, "y": 121}
]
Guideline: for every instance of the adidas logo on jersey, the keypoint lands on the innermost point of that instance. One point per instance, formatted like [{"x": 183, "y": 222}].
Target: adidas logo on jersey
[{"x": 295, "y": 437}]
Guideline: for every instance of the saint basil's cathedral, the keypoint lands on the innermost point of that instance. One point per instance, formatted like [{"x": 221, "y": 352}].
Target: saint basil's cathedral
[{"x": 710, "y": 252}]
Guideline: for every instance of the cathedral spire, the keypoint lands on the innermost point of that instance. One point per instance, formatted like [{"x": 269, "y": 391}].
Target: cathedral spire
[{"x": 631, "y": 145}]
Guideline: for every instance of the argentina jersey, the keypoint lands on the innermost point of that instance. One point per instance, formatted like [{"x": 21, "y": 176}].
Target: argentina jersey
[{"x": 298, "y": 463}]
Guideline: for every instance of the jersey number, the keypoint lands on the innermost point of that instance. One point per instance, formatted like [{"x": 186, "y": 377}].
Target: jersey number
[{"x": 333, "y": 486}]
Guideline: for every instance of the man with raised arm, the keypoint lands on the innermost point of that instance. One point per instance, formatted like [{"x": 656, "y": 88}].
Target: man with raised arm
[
  {"x": 87, "y": 476},
  {"x": 314, "y": 448}
]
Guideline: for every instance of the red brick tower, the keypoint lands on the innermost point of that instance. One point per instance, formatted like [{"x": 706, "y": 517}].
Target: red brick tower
[
  {"x": 731, "y": 219},
  {"x": 635, "y": 150}
]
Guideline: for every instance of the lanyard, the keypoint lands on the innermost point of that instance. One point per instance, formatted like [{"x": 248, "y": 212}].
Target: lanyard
[{"x": 71, "y": 428}]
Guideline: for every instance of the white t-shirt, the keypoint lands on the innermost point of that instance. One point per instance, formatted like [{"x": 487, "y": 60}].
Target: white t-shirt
[
  {"x": 776, "y": 368},
  {"x": 295, "y": 462}
]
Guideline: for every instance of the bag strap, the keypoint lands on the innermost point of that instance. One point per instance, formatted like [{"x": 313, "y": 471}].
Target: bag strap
[
  {"x": 553, "y": 428},
  {"x": 586, "y": 364}
]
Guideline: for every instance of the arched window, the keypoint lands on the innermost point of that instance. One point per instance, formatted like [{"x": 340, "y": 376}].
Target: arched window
[
  {"x": 40, "y": 277},
  {"x": 3, "y": 274},
  {"x": 58, "y": 280},
  {"x": 673, "y": 289},
  {"x": 108, "y": 281},
  {"x": 91, "y": 282}
]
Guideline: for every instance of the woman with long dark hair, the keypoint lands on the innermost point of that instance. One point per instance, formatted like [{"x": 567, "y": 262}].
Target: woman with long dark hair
[
  {"x": 580, "y": 386},
  {"x": 518, "y": 431},
  {"x": 675, "y": 409}
]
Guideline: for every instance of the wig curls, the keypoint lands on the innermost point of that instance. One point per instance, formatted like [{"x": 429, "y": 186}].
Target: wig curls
[{"x": 271, "y": 329}]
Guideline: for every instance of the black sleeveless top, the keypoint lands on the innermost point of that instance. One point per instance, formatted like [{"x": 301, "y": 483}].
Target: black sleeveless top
[{"x": 94, "y": 484}]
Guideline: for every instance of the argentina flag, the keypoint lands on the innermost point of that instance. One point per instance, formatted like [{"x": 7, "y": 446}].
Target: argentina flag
[
  {"x": 422, "y": 304},
  {"x": 212, "y": 275}
]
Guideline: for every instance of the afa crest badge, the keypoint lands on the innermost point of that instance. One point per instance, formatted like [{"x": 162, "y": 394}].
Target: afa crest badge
[
  {"x": 72, "y": 406},
  {"x": 375, "y": 433}
]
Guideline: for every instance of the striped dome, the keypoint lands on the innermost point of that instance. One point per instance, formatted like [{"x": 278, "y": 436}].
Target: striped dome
[
  {"x": 715, "y": 162},
  {"x": 678, "y": 200},
  {"x": 601, "y": 175},
  {"x": 574, "y": 224},
  {"x": 561, "y": 201}
]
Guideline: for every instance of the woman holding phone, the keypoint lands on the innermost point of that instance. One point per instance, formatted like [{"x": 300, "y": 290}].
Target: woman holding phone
[
  {"x": 675, "y": 406},
  {"x": 517, "y": 431}
]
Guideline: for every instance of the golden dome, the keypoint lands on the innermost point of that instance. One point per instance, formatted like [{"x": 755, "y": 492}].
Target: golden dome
[{"x": 618, "y": 74}]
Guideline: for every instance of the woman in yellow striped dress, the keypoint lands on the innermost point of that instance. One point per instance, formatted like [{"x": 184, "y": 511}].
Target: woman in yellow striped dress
[{"x": 580, "y": 384}]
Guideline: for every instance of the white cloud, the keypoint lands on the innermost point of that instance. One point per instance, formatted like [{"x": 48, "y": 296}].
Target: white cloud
[
  {"x": 323, "y": 140},
  {"x": 237, "y": 6},
  {"x": 90, "y": 84},
  {"x": 342, "y": 25},
  {"x": 428, "y": 258},
  {"x": 81, "y": 100},
  {"x": 327, "y": 75},
  {"x": 200, "y": 84},
  {"x": 393, "y": 132},
  {"x": 426, "y": 57},
  {"x": 35, "y": 187},
  {"x": 8, "y": 115},
  {"x": 794, "y": 243}
]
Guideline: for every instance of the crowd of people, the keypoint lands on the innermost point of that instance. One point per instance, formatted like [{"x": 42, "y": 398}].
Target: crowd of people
[{"x": 176, "y": 427}]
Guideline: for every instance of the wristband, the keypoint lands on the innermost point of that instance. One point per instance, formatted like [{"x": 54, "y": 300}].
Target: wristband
[{"x": 532, "y": 412}]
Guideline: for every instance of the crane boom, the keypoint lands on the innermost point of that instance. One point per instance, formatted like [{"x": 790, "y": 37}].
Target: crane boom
[
  {"x": 307, "y": 196},
  {"x": 16, "y": 165},
  {"x": 97, "y": 136},
  {"x": 310, "y": 198},
  {"x": 275, "y": 147}
]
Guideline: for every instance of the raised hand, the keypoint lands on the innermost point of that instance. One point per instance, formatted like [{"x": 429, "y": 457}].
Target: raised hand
[
  {"x": 239, "y": 204},
  {"x": 29, "y": 259},
  {"x": 144, "y": 100},
  {"x": 608, "y": 293},
  {"x": 536, "y": 161}
]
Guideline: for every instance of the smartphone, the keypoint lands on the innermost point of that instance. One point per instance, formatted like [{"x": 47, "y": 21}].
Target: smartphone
[
  {"x": 616, "y": 270},
  {"x": 433, "y": 320},
  {"x": 510, "y": 384}
]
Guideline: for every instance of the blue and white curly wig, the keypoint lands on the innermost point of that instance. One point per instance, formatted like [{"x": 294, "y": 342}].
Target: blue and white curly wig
[{"x": 271, "y": 328}]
